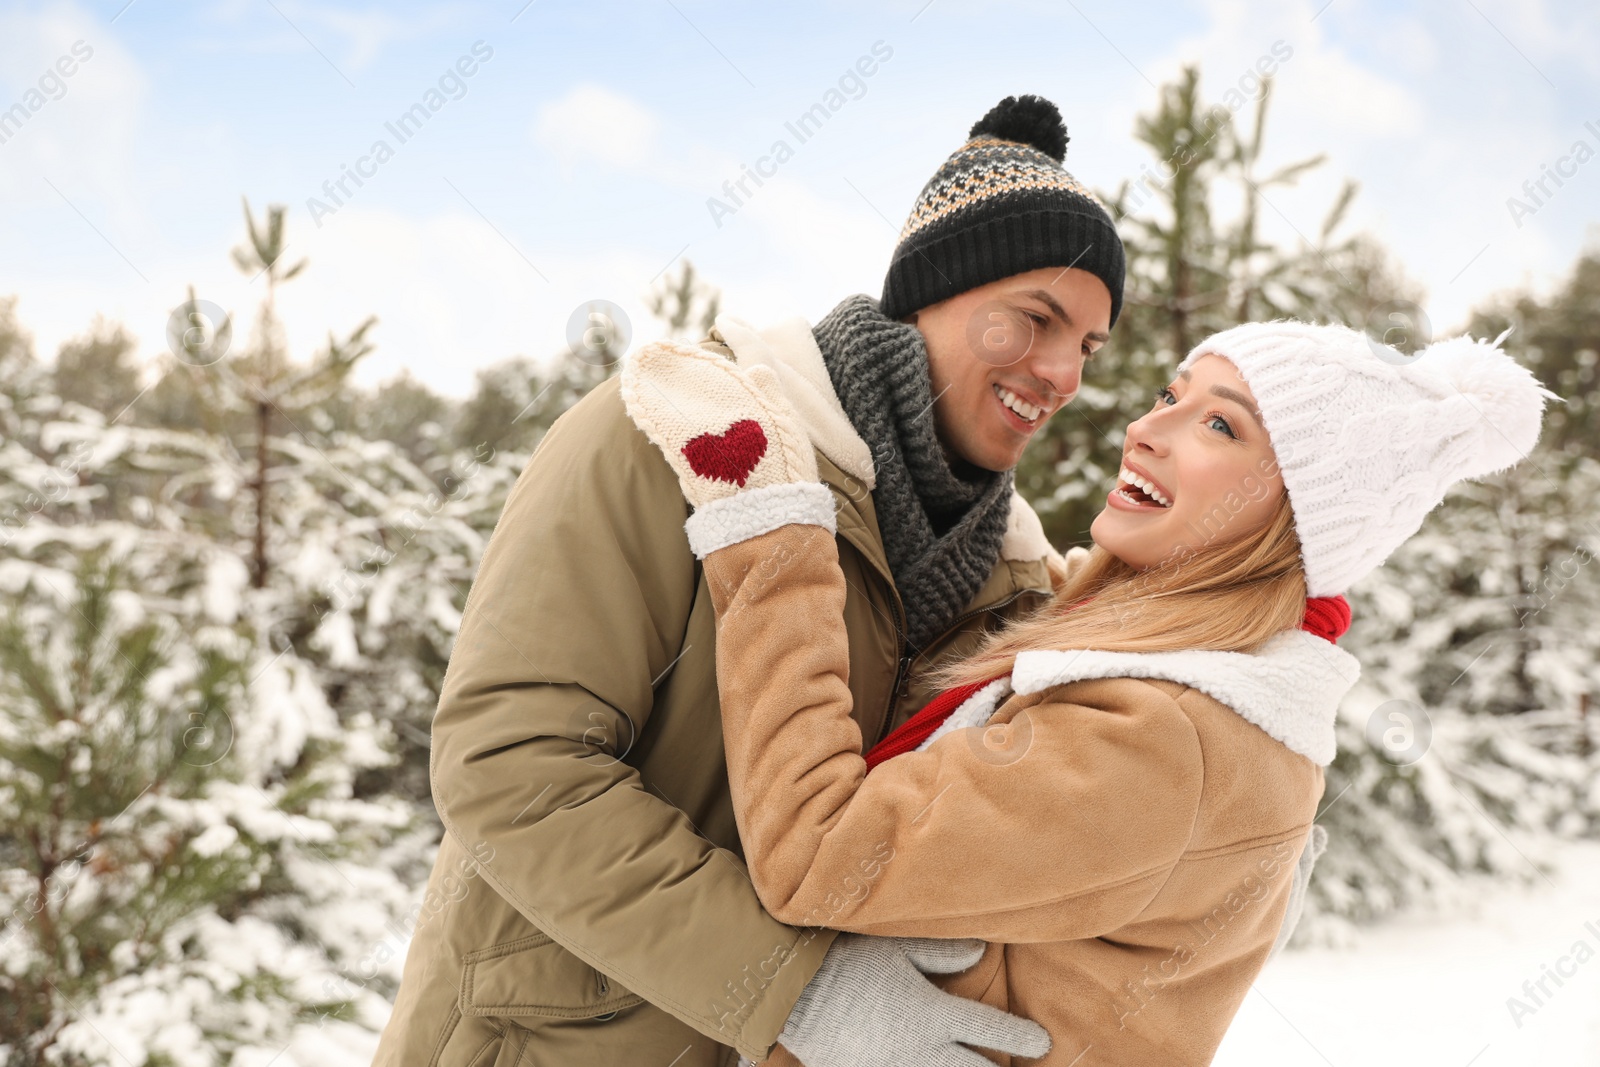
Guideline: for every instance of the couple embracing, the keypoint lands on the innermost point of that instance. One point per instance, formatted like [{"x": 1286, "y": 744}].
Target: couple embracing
[{"x": 789, "y": 737}]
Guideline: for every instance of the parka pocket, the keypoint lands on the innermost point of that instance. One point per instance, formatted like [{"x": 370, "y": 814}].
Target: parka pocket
[
  {"x": 479, "y": 1043},
  {"x": 535, "y": 977}
]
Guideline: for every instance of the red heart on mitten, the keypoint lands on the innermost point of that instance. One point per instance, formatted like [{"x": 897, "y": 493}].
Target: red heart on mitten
[{"x": 728, "y": 456}]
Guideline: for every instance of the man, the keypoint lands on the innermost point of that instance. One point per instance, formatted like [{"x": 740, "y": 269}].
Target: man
[{"x": 590, "y": 903}]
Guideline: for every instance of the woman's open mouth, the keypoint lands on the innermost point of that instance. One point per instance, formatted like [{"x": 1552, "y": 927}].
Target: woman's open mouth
[{"x": 1139, "y": 491}]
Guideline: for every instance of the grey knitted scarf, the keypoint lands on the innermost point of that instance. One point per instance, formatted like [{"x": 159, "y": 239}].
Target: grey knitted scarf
[{"x": 941, "y": 526}]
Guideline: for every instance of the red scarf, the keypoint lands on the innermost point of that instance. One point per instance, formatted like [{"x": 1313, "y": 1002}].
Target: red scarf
[{"x": 1326, "y": 616}]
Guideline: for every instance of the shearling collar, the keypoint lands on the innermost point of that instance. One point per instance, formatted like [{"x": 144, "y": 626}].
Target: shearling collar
[{"x": 1291, "y": 688}]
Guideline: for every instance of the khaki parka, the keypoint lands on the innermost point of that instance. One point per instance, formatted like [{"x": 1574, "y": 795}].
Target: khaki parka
[{"x": 590, "y": 904}]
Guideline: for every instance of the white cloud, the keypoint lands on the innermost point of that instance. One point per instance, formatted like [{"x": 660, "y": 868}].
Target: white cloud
[
  {"x": 450, "y": 294},
  {"x": 812, "y": 251},
  {"x": 1435, "y": 164},
  {"x": 84, "y": 140},
  {"x": 1541, "y": 39},
  {"x": 367, "y": 32},
  {"x": 592, "y": 124}
]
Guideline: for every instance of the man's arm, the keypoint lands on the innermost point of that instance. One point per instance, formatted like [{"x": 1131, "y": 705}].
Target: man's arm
[{"x": 580, "y": 602}]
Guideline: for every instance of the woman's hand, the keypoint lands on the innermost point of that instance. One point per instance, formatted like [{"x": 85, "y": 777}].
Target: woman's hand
[
  {"x": 741, "y": 454},
  {"x": 723, "y": 429}
]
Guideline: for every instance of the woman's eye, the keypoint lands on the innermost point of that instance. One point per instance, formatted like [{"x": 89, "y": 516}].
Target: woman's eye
[
  {"x": 1219, "y": 423},
  {"x": 1164, "y": 395}
]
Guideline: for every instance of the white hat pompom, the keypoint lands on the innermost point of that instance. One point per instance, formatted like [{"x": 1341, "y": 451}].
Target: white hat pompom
[
  {"x": 1368, "y": 439},
  {"x": 1501, "y": 390}
]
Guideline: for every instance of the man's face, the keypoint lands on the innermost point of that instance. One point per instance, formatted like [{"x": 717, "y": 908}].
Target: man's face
[{"x": 1006, "y": 356}]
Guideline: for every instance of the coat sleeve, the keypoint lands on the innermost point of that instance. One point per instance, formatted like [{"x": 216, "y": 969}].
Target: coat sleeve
[
  {"x": 580, "y": 602},
  {"x": 1060, "y": 824}
]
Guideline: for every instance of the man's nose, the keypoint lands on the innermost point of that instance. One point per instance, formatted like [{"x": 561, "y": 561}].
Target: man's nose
[{"x": 1061, "y": 371}]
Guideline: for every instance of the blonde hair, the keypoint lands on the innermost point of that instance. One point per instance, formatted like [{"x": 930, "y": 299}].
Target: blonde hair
[{"x": 1231, "y": 597}]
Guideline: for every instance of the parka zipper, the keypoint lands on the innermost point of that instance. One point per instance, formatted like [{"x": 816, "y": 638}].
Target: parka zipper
[{"x": 903, "y": 663}]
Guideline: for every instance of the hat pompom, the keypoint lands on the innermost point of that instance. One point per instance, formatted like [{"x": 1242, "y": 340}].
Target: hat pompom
[
  {"x": 1030, "y": 120},
  {"x": 1503, "y": 391}
]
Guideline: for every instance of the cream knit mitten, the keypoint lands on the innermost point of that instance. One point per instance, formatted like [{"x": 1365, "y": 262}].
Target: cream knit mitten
[{"x": 745, "y": 462}]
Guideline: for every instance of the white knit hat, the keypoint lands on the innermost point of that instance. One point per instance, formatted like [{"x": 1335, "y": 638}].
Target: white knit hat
[{"x": 1368, "y": 440}]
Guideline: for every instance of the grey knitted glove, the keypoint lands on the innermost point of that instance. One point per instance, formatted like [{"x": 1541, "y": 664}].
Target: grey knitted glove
[
  {"x": 870, "y": 1006},
  {"x": 1315, "y": 844}
]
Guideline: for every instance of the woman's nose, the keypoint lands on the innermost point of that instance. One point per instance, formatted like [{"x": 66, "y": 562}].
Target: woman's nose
[{"x": 1144, "y": 435}]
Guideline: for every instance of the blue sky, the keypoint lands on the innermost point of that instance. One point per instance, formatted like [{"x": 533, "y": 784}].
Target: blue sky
[{"x": 577, "y": 160}]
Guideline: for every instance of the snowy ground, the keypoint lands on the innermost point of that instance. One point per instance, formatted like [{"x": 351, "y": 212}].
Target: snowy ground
[
  {"x": 1434, "y": 992},
  {"x": 1415, "y": 992}
]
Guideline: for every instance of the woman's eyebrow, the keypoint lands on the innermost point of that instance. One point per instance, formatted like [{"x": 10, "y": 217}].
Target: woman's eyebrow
[
  {"x": 1240, "y": 399},
  {"x": 1233, "y": 395}
]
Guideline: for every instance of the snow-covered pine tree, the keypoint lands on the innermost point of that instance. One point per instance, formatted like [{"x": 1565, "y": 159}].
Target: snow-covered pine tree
[
  {"x": 187, "y": 874},
  {"x": 1479, "y": 654}
]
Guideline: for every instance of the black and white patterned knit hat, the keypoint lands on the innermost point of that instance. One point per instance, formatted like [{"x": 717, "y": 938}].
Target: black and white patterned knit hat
[{"x": 1001, "y": 205}]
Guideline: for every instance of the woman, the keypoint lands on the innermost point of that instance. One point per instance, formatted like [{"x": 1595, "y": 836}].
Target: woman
[{"x": 1116, "y": 803}]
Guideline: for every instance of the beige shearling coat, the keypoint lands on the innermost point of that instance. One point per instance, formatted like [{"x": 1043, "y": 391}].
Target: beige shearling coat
[{"x": 1123, "y": 830}]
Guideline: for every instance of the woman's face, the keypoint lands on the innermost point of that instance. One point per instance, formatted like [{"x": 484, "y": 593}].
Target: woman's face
[{"x": 1197, "y": 470}]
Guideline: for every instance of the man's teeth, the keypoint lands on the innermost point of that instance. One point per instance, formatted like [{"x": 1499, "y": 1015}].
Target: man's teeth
[
  {"x": 1144, "y": 483},
  {"x": 1011, "y": 400}
]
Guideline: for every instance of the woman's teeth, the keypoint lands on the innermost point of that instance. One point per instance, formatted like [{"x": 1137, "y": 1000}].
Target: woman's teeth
[
  {"x": 1025, "y": 411},
  {"x": 1130, "y": 478}
]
